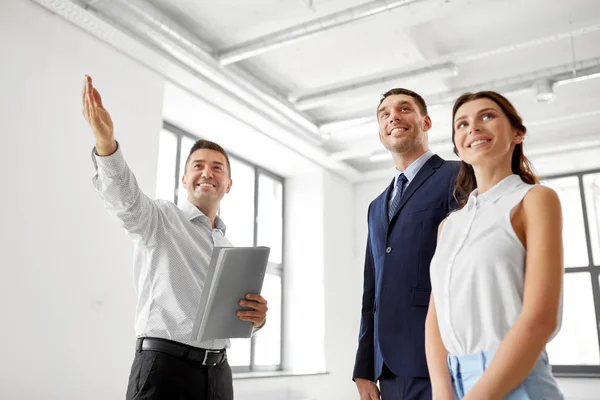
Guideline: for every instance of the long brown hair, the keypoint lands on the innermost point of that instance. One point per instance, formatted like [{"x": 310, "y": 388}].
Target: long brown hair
[{"x": 520, "y": 164}]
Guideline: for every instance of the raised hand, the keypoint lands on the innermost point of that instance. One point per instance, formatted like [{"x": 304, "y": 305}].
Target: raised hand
[{"x": 98, "y": 118}]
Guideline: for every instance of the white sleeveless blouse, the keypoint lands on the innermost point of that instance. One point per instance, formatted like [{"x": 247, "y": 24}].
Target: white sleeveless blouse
[{"x": 478, "y": 269}]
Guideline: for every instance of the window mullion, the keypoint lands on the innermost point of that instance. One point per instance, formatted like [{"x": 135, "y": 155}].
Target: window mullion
[
  {"x": 586, "y": 225},
  {"x": 594, "y": 276},
  {"x": 588, "y": 241}
]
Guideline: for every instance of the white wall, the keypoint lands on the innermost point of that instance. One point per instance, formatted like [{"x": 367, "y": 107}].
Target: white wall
[
  {"x": 67, "y": 296},
  {"x": 67, "y": 291},
  {"x": 343, "y": 288},
  {"x": 319, "y": 218},
  {"x": 304, "y": 290}
]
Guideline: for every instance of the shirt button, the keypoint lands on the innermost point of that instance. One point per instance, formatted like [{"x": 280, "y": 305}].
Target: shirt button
[{"x": 388, "y": 249}]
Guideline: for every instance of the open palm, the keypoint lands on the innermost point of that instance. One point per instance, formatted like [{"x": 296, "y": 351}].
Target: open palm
[{"x": 95, "y": 113}]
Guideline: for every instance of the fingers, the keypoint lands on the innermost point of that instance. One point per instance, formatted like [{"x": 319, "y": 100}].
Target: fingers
[
  {"x": 83, "y": 99},
  {"x": 256, "y": 297},
  {"x": 92, "y": 101},
  {"x": 85, "y": 94},
  {"x": 256, "y": 302},
  {"x": 259, "y": 306},
  {"x": 370, "y": 396},
  {"x": 254, "y": 305},
  {"x": 368, "y": 390},
  {"x": 83, "y": 90},
  {"x": 89, "y": 106},
  {"x": 259, "y": 309},
  {"x": 375, "y": 395},
  {"x": 97, "y": 98},
  {"x": 252, "y": 314},
  {"x": 252, "y": 318},
  {"x": 256, "y": 317},
  {"x": 89, "y": 94}
]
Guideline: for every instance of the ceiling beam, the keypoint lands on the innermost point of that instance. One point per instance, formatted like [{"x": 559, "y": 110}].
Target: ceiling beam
[
  {"x": 559, "y": 75},
  {"x": 147, "y": 23},
  {"x": 315, "y": 99},
  {"x": 450, "y": 63},
  {"x": 308, "y": 29}
]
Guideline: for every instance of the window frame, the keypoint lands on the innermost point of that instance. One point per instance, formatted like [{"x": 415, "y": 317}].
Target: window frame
[
  {"x": 583, "y": 371},
  {"x": 272, "y": 268}
]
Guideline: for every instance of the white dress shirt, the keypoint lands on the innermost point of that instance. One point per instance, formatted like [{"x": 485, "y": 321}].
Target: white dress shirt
[
  {"x": 478, "y": 269},
  {"x": 172, "y": 251}
]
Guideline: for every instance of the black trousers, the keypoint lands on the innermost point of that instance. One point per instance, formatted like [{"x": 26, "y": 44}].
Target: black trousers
[
  {"x": 395, "y": 387},
  {"x": 160, "y": 376}
]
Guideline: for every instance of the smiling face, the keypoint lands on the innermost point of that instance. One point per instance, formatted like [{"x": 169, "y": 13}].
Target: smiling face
[
  {"x": 206, "y": 178},
  {"x": 483, "y": 134},
  {"x": 402, "y": 127}
]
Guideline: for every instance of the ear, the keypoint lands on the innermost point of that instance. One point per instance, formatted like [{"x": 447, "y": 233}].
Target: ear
[
  {"x": 519, "y": 137},
  {"x": 229, "y": 185},
  {"x": 183, "y": 180},
  {"x": 427, "y": 123}
]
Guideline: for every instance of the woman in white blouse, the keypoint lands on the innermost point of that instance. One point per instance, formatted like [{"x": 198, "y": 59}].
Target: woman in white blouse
[{"x": 497, "y": 272}]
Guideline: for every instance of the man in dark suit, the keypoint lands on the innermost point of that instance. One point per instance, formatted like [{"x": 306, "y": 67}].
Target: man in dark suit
[{"x": 403, "y": 223}]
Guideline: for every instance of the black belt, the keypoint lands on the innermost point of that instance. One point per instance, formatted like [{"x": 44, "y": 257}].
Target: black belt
[{"x": 206, "y": 356}]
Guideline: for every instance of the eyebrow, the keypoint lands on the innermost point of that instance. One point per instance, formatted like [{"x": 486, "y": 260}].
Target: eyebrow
[
  {"x": 202, "y": 160},
  {"x": 478, "y": 112},
  {"x": 401, "y": 103}
]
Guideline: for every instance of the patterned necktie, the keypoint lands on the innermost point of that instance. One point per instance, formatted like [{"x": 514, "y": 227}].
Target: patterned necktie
[{"x": 400, "y": 182}]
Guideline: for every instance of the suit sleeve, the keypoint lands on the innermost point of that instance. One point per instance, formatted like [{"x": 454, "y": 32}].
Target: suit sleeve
[{"x": 364, "y": 366}]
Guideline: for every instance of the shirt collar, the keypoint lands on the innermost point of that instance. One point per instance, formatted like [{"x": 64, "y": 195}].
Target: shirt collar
[
  {"x": 413, "y": 169},
  {"x": 493, "y": 194},
  {"x": 192, "y": 212}
]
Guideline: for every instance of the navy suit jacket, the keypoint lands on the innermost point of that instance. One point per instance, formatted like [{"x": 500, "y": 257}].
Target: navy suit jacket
[{"x": 396, "y": 281}]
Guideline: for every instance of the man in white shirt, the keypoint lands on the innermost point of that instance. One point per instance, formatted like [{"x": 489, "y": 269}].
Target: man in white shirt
[{"x": 173, "y": 247}]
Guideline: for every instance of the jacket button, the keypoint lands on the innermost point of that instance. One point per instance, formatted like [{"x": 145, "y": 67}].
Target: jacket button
[{"x": 388, "y": 250}]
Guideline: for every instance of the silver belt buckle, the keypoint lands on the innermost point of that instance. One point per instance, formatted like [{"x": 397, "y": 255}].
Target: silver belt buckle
[{"x": 206, "y": 353}]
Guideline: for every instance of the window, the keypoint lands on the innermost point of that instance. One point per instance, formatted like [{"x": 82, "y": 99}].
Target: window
[
  {"x": 253, "y": 213},
  {"x": 576, "y": 348}
]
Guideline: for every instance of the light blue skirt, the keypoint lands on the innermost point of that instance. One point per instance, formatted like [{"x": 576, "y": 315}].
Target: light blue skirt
[{"x": 539, "y": 384}]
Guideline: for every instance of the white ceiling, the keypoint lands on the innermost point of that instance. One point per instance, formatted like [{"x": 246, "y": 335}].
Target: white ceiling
[{"x": 502, "y": 45}]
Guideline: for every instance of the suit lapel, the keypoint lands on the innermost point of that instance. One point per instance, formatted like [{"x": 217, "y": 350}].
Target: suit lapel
[
  {"x": 424, "y": 173},
  {"x": 383, "y": 207}
]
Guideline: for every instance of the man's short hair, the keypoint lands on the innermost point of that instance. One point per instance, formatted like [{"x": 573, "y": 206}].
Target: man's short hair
[
  {"x": 418, "y": 99},
  {"x": 207, "y": 144}
]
